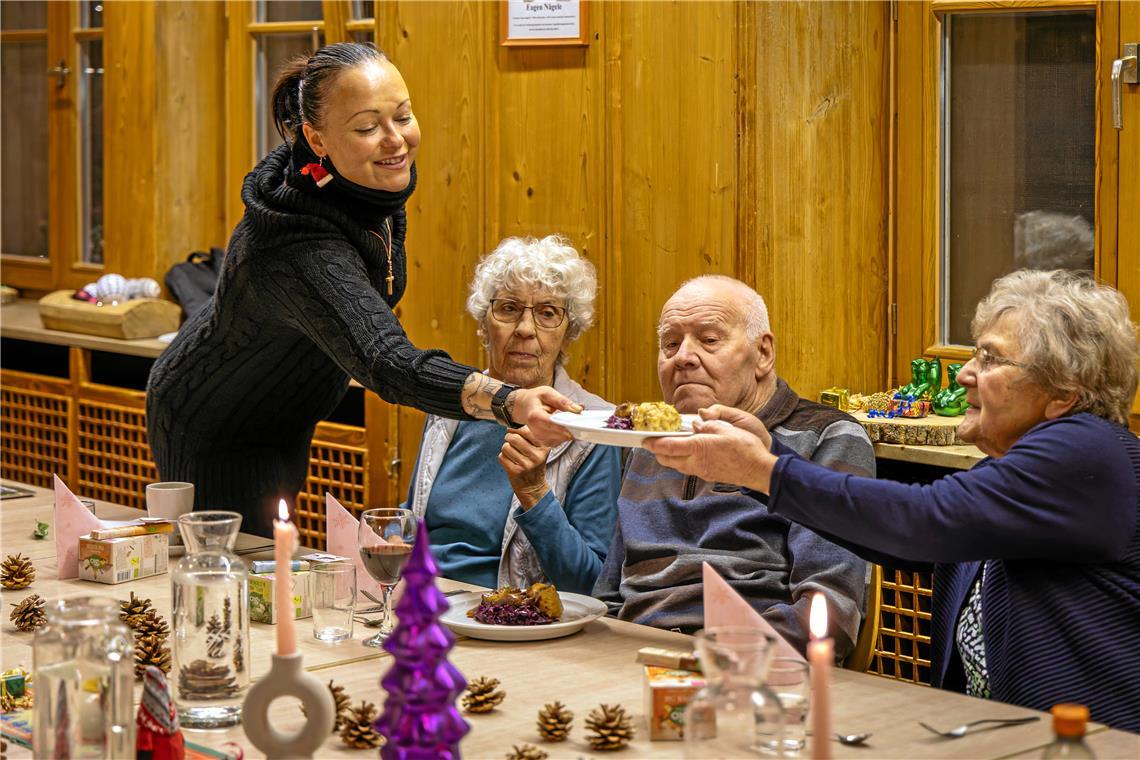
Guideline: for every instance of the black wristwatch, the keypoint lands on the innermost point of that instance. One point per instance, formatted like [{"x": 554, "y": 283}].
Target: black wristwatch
[{"x": 499, "y": 406}]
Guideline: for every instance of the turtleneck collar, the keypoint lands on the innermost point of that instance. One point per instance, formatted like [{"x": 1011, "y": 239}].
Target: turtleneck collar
[{"x": 367, "y": 205}]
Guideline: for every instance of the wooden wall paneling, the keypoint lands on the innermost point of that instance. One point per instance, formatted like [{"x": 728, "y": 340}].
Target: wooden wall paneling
[
  {"x": 190, "y": 122},
  {"x": 672, "y": 133},
  {"x": 544, "y": 156},
  {"x": 130, "y": 166},
  {"x": 822, "y": 156},
  {"x": 240, "y": 142},
  {"x": 917, "y": 181}
]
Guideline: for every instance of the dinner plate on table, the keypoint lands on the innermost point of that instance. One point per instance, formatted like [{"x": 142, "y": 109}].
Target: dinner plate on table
[
  {"x": 577, "y": 610},
  {"x": 590, "y": 425}
]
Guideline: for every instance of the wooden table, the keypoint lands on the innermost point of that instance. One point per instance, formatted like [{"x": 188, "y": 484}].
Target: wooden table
[{"x": 583, "y": 670}]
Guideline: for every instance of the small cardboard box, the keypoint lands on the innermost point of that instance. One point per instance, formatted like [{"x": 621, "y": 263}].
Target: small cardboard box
[
  {"x": 261, "y": 599},
  {"x": 667, "y": 691},
  {"x": 118, "y": 560}
]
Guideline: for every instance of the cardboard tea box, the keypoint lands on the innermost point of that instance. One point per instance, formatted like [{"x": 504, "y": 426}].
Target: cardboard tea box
[
  {"x": 118, "y": 560},
  {"x": 667, "y": 691},
  {"x": 261, "y": 587}
]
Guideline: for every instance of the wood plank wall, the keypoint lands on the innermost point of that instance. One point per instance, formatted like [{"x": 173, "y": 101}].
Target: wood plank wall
[{"x": 687, "y": 138}]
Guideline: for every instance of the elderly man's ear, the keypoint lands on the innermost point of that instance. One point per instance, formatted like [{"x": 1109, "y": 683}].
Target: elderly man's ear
[{"x": 765, "y": 355}]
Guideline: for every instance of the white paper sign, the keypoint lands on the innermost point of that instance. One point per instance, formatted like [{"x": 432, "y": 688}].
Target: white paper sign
[{"x": 547, "y": 20}]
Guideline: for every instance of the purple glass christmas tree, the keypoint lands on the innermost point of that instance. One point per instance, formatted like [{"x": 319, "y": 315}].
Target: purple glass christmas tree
[{"x": 420, "y": 719}]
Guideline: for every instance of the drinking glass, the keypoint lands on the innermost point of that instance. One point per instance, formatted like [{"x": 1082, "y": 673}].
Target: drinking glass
[
  {"x": 385, "y": 538},
  {"x": 334, "y": 597},
  {"x": 789, "y": 678}
]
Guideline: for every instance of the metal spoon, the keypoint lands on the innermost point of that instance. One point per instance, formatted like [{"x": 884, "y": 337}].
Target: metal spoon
[{"x": 853, "y": 740}]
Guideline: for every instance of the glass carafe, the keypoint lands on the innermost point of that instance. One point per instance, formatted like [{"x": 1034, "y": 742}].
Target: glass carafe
[
  {"x": 735, "y": 715},
  {"x": 210, "y": 606},
  {"x": 83, "y": 664}
]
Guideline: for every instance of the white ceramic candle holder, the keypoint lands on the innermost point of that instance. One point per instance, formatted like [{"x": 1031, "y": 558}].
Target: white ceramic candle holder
[{"x": 286, "y": 678}]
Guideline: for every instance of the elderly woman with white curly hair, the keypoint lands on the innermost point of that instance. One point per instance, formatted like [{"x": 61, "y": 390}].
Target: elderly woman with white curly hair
[
  {"x": 501, "y": 509},
  {"x": 1037, "y": 548}
]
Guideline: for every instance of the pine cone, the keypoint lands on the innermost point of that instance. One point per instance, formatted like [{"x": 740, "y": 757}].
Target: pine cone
[
  {"x": 150, "y": 624},
  {"x": 358, "y": 732},
  {"x": 151, "y": 650},
  {"x": 17, "y": 572},
  {"x": 29, "y": 613},
  {"x": 526, "y": 752},
  {"x": 611, "y": 726},
  {"x": 554, "y": 722},
  {"x": 342, "y": 702},
  {"x": 481, "y": 696},
  {"x": 132, "y": 610}
]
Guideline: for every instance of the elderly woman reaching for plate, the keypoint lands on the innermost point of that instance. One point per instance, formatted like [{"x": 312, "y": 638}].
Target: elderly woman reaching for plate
[
  {"x": 1037, "y": 548},
  {"x": 501, "y": 508}
]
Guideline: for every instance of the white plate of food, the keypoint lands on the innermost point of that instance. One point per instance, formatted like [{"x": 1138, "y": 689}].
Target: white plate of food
[
  {"x": 590, "y": 425},
  {"x": 577, "y": 611}
]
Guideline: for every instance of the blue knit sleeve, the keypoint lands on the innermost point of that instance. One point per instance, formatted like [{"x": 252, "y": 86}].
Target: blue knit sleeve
[
  {"x": 571, "y": 539},
  {"x": 1066, "y": 490}
]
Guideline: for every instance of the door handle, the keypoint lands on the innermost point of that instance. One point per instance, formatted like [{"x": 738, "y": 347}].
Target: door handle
[
  {"x": 60, "y": 72},
  {"x": 1123, "y": 71}
]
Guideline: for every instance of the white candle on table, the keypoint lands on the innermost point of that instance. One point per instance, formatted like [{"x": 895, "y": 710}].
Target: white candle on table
[
  {"x": 821, "y": 654},
  {"x": 284, "y": 542}
]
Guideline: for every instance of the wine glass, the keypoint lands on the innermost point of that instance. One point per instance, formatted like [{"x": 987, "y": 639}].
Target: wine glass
[{"x": 385, "y": 538}]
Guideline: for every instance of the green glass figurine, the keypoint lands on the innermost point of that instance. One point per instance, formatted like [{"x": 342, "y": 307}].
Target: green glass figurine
[
  {"x": 951, "y": 400},
  {"x": 925, "y": 379}
]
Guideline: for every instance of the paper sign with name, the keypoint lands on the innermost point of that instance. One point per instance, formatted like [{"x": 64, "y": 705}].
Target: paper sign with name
[{"x": 544, "y": 22}]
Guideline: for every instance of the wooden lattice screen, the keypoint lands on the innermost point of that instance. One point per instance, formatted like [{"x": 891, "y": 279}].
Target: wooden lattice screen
[
  {"x": 903, "y": 649},
  {"x": 336, "y": 468},
  {"x": 113, "y": 456},
  {"x": 33, "y": 434}
]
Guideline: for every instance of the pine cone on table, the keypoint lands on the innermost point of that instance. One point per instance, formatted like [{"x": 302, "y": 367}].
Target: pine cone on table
[
  {"x": 341, "y": 701},
  {"x": 611, "y": 726},
  {"x": 151, "y": 650},
  {"x": 132, "y": 611},
  {"x": 358, "y": 732},
  {"x": 17, "y": 572},
  {"x": 526, "y": 752},
  {"x": 28, "y": 615},
  {"x": 481, "y": 696},
  {"x": 150, "y": 624},
  {"x": 554, "y": 722}
]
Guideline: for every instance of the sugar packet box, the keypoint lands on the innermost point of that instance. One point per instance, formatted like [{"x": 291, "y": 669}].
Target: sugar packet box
[
  {"x": 118, "y": 560},
  {"x": 261, "y": 597},
  {"x": 667, "y": 692}
]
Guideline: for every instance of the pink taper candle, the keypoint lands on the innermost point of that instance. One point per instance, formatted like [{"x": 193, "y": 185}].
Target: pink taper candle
[
  {"x": 284, "y": 542},
  {"x": 821, "y": 655}
]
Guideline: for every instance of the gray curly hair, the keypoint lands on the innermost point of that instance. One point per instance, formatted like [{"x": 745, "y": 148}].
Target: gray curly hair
[
  {"x": 1076, "y": 333},
  {"x": 550, "y": 264}
]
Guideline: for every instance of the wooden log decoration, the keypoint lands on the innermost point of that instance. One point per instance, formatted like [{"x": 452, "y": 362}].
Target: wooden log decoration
[
  {"x": 927, "y": 431},
  {"x": 127, "y": 320}
]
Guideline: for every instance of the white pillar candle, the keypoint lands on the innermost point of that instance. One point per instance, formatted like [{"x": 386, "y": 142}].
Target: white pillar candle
[
  {"x": 285, "y": 541},
  {"x": 821, "y": 655}
]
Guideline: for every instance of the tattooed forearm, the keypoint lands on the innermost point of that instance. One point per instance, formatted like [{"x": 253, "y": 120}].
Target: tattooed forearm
[{"x": 476, "y": 397}]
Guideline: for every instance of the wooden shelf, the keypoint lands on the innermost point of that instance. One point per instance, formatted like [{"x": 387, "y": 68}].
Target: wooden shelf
[{"x": 21, "y": 320}]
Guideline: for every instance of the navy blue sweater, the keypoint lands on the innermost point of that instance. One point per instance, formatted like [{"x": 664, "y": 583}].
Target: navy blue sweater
[{"x": 1059, "y": 519}]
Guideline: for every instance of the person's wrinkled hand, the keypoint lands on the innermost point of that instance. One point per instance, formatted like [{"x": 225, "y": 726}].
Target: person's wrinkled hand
[
  {"x": 717, "y": 452},
  {"x": 523, "y": 458},
  {"x": 532, "y": 407},
  {"x": 738, "y": 418}
]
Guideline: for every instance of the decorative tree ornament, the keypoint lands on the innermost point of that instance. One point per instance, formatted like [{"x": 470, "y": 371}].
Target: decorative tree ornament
[
  {"x": 554, "y": 722},
  {"x": 610, "y": 727},
  {"x": 28, "y": 614},
  {"x": 420, "y": 719},
  {"x": 481, "y": 695},
  {"x": 17, "y": 572}
]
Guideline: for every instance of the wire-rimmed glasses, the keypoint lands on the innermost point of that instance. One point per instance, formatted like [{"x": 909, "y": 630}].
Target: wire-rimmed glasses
[{"x": 546, "y": 315}]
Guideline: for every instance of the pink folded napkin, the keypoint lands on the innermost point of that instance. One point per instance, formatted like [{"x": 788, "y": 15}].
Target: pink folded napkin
[
  {"x": 341, "y": 531},
  {"x": 723, "y": 606},
  {"x": 70, "y": 520}
]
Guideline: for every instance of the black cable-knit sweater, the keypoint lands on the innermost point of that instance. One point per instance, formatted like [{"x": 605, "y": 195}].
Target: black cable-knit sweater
[{"x": 300, "y": 307}]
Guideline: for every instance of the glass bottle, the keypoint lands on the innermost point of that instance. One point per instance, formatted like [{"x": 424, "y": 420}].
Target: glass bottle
[
  {"x": 83, "y": 664},
  {"x": 1069, "y": 728},
  {"x": 210, "y": 605},
  {"x": 735, "y": 714}
]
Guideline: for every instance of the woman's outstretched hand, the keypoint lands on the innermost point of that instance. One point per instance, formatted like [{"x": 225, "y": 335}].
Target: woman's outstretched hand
[
  {"x": 533, "y": 406},
  {"x": 728, "y": 446}
]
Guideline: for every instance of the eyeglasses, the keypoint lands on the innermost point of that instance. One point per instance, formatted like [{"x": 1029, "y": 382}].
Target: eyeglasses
[
  {"x": 545, "y": 314},
  {"x": 987, "y": 361}
]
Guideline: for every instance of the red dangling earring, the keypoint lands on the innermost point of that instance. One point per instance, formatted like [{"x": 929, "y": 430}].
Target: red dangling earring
[{"x": 318, "y": 172}]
